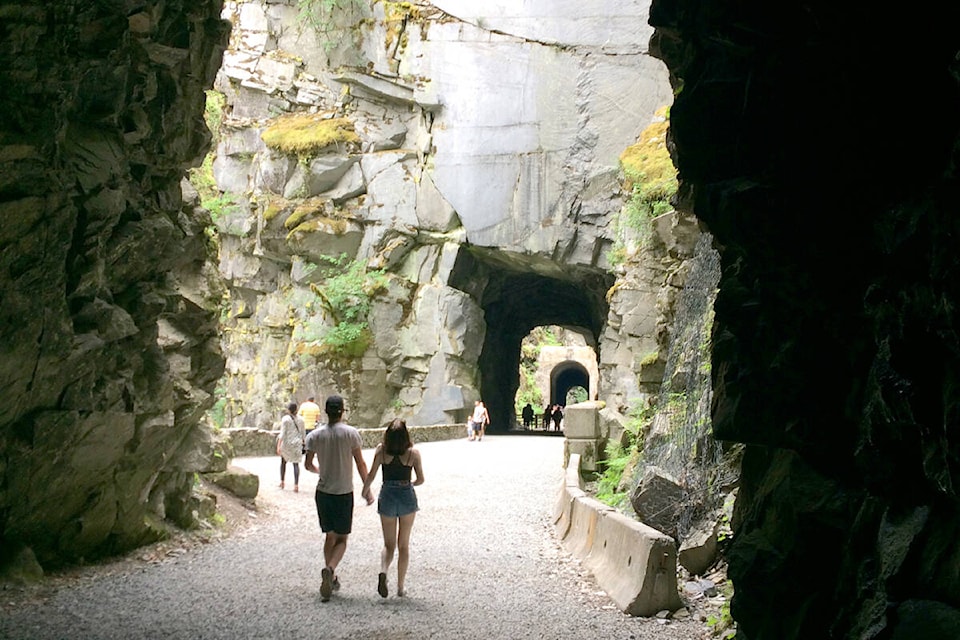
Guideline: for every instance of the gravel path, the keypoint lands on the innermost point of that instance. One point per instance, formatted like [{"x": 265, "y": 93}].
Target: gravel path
[{"x": 485, "y": 563}]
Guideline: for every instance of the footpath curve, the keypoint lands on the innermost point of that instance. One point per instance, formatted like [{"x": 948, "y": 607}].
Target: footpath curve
[{"x": 486, "y": 563}]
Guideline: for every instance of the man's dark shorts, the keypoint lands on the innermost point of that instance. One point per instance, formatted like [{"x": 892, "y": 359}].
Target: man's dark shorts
[{"x": 335, "y": 512}]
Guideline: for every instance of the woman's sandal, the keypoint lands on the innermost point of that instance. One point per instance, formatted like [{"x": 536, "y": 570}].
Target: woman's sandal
[{"x": 382, "y": 585}]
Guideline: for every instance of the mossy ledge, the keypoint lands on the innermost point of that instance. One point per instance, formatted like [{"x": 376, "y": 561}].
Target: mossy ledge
[{"x": 307, "y": 134}]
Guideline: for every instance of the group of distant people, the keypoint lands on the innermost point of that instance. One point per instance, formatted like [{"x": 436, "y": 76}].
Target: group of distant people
[
  {"x": 332, "y": 449},
  {"x": 552, "y": 415}
]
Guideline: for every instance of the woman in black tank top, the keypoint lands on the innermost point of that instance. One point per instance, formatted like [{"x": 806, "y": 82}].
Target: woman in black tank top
[{"x": 397, "y": 504}]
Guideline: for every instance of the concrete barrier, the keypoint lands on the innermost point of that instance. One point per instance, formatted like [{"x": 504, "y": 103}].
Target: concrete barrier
[
  {"x": 571, "y": 489},
  {"x": 585, "y": 512},
  {"x": 635, "y": 564}
]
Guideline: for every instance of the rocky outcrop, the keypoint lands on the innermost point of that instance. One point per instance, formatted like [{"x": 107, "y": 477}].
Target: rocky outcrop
[
  {"x": 108, "y": 339},
  {"x": 473, "y": 159},
  {"x": 835, "y": 346}
]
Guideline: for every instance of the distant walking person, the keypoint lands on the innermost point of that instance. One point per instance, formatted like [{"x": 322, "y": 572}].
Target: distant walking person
[
  {"x": 333, "y": 445},
  {"x": 480, "y": 419},
  {"x": 557, "y": 417},
  {"x": 290, "y": 444},
  {"x": 310, "y": 412},
  {"x": 397, "y": 504},
  {"x": 547, "y": 417},
  {"x": 527, "y": 414}
]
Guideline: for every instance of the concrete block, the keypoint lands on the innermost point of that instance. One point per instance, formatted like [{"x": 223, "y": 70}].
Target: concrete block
[
  {"x": 585, "y": 513},
  {"x": 572, "y": 488},
  {"x": 581, "y": 421},
  {"x": 635, "y": 564},
  {"x": 587, "y": 450}
]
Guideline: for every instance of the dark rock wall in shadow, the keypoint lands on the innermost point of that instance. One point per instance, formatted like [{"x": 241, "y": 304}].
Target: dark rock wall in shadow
[
  {"x": 108, "y": 339},
  {"x": 818, "y": 144}
]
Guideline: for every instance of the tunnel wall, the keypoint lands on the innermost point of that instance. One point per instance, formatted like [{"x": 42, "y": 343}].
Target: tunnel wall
[
  {"x": 108, "y": 335},
  {"x": 836, "y": 354}
]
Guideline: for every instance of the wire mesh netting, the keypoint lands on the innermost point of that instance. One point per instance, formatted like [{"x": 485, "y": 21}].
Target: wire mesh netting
[{"x": 679, "y": 445}]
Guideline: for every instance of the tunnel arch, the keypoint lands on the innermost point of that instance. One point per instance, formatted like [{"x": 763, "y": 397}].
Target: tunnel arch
[
  {"x": 517, "y": 293},
  {"x": 565, "y": 376}
]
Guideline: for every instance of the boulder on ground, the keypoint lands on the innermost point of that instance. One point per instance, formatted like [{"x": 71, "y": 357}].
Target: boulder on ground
[{"x": 237, "y": 481}]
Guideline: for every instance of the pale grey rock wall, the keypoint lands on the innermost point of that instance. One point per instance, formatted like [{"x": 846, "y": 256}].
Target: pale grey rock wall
[{"x": 500, "y": 130}]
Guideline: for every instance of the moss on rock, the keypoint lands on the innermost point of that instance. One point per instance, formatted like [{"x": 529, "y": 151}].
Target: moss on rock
[{"x": 306, "y": 134}]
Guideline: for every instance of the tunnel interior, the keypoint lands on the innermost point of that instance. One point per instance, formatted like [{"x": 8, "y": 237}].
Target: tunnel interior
[
  {"x": 518, "y": 293},
  {"x": 566, "y": 376}
]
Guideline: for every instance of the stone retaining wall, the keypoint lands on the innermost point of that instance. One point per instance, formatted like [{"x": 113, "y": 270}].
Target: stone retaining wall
[
  {"x": 635, "y": 564},
  {"x": 247, "y": 443}
]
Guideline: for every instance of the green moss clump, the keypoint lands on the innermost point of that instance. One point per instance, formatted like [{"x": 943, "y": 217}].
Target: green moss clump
[
  {"x": 648, "y": 160},
  {"x": 305, "y": 135},
  {"x": 274, "y": 207},
  {"x": 651, "y": 179}
]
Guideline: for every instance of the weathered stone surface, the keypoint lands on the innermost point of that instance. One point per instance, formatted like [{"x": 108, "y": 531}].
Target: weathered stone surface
[
  {"x": 817, "y": 338},
  {"x": 237, "y": 481},
  {"x": 657, "y": 500},
  {"x": 427, "y": 163},
  {"x": 698, "y": 551},
  {"x": 108, "y": 325}
]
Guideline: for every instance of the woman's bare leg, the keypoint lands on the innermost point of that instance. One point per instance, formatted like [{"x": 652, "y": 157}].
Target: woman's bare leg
[
  {"x": 389, "y": 526},
  {"x": 403, "y": 547}
]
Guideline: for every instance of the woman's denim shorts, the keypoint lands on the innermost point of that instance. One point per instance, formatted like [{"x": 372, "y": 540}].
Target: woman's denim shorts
[{"x": 397, "y": 498}]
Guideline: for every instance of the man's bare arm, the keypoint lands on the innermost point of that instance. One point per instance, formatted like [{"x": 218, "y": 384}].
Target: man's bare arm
[
  {"x": 362, "y": 470},
  {"x": 309, "y": 463}
]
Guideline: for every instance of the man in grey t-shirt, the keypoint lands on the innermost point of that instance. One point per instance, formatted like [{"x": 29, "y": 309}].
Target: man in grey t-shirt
[{"x": 330, "y": 448}]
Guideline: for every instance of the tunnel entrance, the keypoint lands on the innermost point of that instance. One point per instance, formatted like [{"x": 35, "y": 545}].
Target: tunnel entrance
[
  {"x": 520, "y": 292},
  {"x": 565, "y": 377}
]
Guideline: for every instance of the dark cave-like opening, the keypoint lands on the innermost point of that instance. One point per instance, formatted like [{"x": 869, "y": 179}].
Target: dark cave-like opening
[
  {"x": 517, "y": 293},
  {"x": 564, "y": 377}
]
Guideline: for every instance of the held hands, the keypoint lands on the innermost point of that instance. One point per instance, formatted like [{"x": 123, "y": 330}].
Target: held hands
[{"x": 367, "y": 495}]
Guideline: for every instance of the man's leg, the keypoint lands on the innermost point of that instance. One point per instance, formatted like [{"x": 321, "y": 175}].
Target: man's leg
[{"x": 334, "y": 546}]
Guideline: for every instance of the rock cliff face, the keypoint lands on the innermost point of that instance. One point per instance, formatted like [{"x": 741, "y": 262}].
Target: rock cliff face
[
  {"x": 401, "y": 206},
  {"x": 472, "y": 157},
  {"x": 108, "y": 338},
  {"x": 836, "y": 352}
]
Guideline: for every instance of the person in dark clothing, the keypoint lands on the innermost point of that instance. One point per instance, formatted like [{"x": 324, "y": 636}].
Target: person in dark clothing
[
  {"x": 527, "y": 415},
  {"x": 547, "y": 417},
  {"x": 557, "y": 417},
  {"x": 397, "y": 504}
]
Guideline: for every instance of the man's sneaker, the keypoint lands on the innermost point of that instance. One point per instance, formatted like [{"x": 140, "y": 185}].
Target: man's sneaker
[
  {"x": 326, "y": 583},
  {"x": 336, "y": 583}
]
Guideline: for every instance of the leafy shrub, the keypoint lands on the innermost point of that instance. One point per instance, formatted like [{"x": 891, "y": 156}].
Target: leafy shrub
[
  {"x": 619, "y": 454},
  {"x": 347, "y": 298}
]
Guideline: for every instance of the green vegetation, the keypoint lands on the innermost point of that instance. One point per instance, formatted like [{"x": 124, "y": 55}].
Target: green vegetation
[
  {"x": 306, "y": 134},
  {"x": 218, "y": 412},
  {"x": 577, "y": 394},
  {"x": 529, "y": 354},
  {"x": 619, "y": 454},
  {"x": 722, "y": 624},
  {"x": 220, "y": 205},
  {"x": 651, "y": 180},
  {"x": 346, "y": 298},
  {"x": 202, "y": 177}
]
